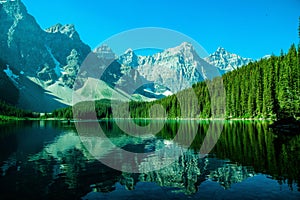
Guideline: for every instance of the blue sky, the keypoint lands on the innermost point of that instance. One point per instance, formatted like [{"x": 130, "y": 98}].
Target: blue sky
[{"x": 249, "y": 28}]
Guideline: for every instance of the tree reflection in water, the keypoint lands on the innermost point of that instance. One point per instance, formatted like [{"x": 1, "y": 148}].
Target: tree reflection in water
[{"x": 63, "y": 166}]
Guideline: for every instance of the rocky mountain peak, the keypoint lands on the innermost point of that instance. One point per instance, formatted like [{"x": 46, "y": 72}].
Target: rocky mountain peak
[
  {"x": 129, "y": 58},
  {"x": 184, "y": 49},
  {"x": 225, "y": 60},
  {"x": 105, "y": 52},
  {"x": 221, "y": 50},
  {"x": 186, "y": 45},
  {"x": 67, "y": 29},
  {"x": 129, "y": 51},
  {"x": 174, "y": 69},
  {"x": 54, "y": 29}
]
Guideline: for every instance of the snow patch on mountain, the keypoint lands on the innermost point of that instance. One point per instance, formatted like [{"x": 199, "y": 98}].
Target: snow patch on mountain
[
  {"x": 9, "y": 73},
  {"x": 167, "y": 93},
  {"x": 164, "y": 93},
  {"x": 13, "y": 77},
  {"x": 5, "y": 1}
]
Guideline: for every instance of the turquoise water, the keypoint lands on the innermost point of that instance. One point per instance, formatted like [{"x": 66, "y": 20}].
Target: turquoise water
[{"x": 51, "y": 160}]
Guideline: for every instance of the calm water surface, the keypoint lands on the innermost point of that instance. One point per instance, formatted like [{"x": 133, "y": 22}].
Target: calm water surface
[{"x": 48, "y": 160}]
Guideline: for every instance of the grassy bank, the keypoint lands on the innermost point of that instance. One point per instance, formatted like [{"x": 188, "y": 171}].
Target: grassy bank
[{"x": 4, "y": 118}]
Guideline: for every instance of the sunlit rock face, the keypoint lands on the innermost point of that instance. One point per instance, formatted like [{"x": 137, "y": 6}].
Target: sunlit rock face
[
  {"x": 30, "y": 49},
  {"x": 40, "y": 58},
  {"x": 226, "y": 61},
  {"x": 173, "y": 69}
]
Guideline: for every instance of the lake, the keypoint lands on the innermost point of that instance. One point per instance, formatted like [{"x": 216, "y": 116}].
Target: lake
[{"x": 57, "y": 160}]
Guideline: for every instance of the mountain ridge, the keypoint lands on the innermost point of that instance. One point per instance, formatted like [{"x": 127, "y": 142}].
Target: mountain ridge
[{"x": 183, "y": 64}]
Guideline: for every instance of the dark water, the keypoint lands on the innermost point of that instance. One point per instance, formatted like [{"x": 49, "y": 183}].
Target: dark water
[{"x": 48, "y": 160}]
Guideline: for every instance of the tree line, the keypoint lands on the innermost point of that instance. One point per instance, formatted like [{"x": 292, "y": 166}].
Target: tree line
[{"x": 10, "y": 110}]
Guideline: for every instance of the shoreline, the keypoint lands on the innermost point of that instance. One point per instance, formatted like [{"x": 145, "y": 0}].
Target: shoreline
[{"x": 12, "y": 118}]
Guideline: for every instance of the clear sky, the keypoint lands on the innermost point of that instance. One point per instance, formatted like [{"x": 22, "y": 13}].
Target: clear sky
[{"x": 250, "y": 28}]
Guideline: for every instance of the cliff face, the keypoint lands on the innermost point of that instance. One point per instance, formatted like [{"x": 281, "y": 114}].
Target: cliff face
[
  {"x": 38, "y": 59},
  {"x": 68, "y": 50},
  {"x": 38, "y": 53},
  {"x": 22, "y": 40},
  {"x": 175, "y": 68},
  {"x": 226, "y": 61}
]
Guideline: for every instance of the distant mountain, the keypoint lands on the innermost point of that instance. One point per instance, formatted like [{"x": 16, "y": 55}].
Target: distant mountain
[
  {"x": 226, "y": 61},
  {"x": 102, "y": 64},
  {"x": 172, "y": 70}
]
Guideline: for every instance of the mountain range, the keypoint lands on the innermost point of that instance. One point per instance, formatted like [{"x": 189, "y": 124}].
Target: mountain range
[{"x": 40, "y": 69}]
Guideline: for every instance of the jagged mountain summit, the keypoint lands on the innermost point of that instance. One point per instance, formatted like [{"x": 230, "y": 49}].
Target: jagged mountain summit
[
  {"x": 172, "y": 70},
  {"x": 68, "y": 29},
  {"x": 129, "y": 58},
  {"x": 226, "y": 61}
]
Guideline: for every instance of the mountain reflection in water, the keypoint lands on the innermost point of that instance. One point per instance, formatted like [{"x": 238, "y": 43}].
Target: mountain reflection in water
[{"x": 49, "y": 159}]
